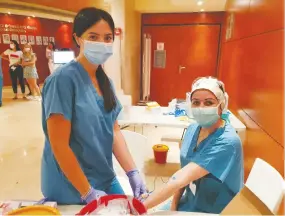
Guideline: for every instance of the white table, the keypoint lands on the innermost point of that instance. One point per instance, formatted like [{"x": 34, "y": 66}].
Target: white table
[
  {"x": 139, "y": 115},
  {"x": 73, "y": 209}
]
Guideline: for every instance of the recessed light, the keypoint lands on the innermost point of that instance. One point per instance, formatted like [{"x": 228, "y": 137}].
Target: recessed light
[
  {"x": 199, "y": 3},
  {"x": 9, "y": 12},
  {"x": 202, "y": 10}
]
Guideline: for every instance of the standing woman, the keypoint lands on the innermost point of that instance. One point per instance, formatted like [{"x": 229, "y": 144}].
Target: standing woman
[
  {"x": 80, "y": 111},
  {"x": 30, "y": 71},
  {"x": 14, "y": 55},
  {"x": 49, "y": 55}
]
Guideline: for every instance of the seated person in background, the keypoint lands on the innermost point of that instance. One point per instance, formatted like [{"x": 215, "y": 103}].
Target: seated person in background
[{"x": 212, "y": 170}]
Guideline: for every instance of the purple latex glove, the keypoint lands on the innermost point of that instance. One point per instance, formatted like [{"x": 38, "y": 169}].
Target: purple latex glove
[
  {"x": 136, "y": 183},
  {"x": 93, "y": 195}
]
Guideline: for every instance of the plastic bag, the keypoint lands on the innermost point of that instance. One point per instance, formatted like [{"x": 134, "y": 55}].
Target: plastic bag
[{"x": 114, "y": 205}]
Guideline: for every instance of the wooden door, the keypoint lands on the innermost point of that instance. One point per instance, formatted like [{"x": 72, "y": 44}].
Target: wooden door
[
  {"x": 194, "y": 47},
  {"x": 199, "y": 51}
]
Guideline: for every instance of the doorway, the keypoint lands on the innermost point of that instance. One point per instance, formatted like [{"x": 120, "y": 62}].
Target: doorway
[{"x": 191, "y": 51}]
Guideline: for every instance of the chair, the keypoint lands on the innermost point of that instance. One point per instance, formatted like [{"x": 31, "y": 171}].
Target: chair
[
  {"x": 267, "y": 184},
  {"x": 136, "y": 144}
]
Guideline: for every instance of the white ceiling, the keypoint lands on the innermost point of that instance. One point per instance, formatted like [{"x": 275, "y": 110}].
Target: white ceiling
[{"x": 149, "y": 6}]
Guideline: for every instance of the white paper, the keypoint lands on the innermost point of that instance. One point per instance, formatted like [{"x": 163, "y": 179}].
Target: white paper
[
  {"x": 193, "y": 188},
  {"x": 160, "y": 46}
]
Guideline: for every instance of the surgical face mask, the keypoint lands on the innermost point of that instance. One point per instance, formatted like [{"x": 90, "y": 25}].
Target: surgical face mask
[
  {"x": 27, "y": 49},
  {"x": 12, "y": 46},
  {"x": 206, "y": 116},
  {"x": 97, "y": 52}
]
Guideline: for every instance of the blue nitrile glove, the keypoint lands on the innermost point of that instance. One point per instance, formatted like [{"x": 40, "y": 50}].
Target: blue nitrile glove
[
  {"x": 93, "y": 195},
  {"x": 136, "y": 183}
]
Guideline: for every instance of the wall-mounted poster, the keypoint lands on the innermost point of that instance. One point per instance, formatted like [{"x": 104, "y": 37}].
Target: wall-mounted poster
[
  {"x": 31, "y": 39},
  {"x": 23, "y": 39},
  {"x": 15, "y": 37},
  {"x": 6, "y": 38},
  {"x": 45, "y": 40},
  {"x": 39, "y": 40},
  {"x": 51, "y": 39}
]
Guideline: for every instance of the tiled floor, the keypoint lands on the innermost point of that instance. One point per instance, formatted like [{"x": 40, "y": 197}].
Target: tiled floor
[{"x": 21, "y": 143}]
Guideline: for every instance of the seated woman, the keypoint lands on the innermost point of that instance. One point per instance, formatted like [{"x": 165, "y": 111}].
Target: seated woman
[{"x": 212, "y": 167}]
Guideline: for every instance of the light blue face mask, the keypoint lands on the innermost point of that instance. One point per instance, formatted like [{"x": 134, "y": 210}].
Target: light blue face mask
[
  {"x": 206, "y": 116},
  {"x": 97, "y": 52}
]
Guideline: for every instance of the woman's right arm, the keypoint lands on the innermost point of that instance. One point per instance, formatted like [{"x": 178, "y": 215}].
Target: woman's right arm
[
  {"x": 59, "y": 134},
  {"x": 3, "y": 56},
  {"x": 176, "y": 198}
]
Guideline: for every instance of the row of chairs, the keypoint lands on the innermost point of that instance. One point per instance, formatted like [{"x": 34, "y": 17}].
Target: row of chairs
[{"x": 264, "y": 180}]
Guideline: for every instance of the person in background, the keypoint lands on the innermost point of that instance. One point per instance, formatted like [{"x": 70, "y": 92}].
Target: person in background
[
  {"x": 14, "y": 55},
  {"x": 212, "y": 170},
  {"x": 79, "y": 118},
  {"x": 49, "y": 55},
  {"x": 30, "y": 71},
  {"x": 1, "y": 81}
]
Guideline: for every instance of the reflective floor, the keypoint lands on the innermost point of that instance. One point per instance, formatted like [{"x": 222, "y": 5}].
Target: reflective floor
[{"x": 21, "y": 144}]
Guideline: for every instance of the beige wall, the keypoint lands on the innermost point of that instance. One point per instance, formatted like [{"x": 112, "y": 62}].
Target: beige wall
[
  {"x": 124, "y": 66},
  {"x": 132, "y": 40}
]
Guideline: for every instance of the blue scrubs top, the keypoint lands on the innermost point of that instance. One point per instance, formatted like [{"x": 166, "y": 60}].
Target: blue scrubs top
[
  {"x": 221, "y": 155},
  {"x": 69, "y": 91}
]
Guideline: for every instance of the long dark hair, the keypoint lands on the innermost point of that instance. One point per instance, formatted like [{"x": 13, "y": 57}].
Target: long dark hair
[
  {"x": 53, "y": 45},
  {"x": 17, "y": 46},
  {"x": 86, "y": 18}
]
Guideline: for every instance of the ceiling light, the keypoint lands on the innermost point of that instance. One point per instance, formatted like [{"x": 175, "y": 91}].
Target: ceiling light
[
  {"x": 202, "y": 10},
  {"x": 199, "y": 3},
  {"x": 9, "y": 12}
]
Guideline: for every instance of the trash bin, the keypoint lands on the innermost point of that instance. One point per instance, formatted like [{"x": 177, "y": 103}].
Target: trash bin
[{"x": 160, "y": 153}]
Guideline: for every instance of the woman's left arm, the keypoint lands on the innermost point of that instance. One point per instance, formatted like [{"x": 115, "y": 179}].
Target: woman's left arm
[
  {"x": 121, "y": 150},
  {"x": 180, "y": 179},
  {"x": 32, "y": 62},
  {"x": 126, "y": 161}
]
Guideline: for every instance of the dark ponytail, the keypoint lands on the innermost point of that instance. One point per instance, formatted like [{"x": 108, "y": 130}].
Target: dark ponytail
[
  {"x": 106, "y": 89},
  {"x": 86, "y": 18}
]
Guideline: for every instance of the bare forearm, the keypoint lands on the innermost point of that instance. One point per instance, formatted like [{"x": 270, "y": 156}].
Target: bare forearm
[
  {"x": 176, "y": 198},
  {"x": 59, "y": 134},
  {"x": 122, "y": 152},
  {"x": 28, "y": 63},
  {"x": 161, "y": 195},
  {"x": 72, "y": 170}
]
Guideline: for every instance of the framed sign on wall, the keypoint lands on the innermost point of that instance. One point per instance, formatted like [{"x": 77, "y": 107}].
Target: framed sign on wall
[
  {"x": 39, "y": 40},
  {"x": 23, "y": 39},
  {"x": 6, "y": 38},
  {"x": 15, "y": 37}
]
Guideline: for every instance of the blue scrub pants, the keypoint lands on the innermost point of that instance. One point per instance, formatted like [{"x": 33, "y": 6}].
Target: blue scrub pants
[
  {"x": 115, "y": 188},
  {"x": 1, "y": 87}
]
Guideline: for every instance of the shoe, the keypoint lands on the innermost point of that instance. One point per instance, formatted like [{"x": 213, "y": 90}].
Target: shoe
[
  {"x": 30, "y": 94},
  {"x": 15, "y": 98}
]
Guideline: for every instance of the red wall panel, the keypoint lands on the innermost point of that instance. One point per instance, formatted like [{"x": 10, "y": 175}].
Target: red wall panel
[
  {"x": 183, "y": 18},
  {"x": 62, "y": 32},
  {"x": 252, "y": 66},
  {"x": 70, "y": 5},
  {"x": 252, "y": 17}
]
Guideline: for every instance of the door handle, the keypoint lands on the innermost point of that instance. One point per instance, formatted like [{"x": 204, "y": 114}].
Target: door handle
[{"x": 181, "y": 68}]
